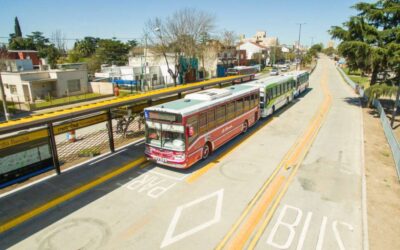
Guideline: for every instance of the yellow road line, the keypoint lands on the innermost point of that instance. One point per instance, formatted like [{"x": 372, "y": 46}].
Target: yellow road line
[
  {"x": 257, "y": 196},
  {"x": 284, "y": 162},
  {"x": 248, "y": 227},
  {"x": 294, "y": 154},
  {"x": 324, "y": 110},
  {"x": 24, "y": 217}
]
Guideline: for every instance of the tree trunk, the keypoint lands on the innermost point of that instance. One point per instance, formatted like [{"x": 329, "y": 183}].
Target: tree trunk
[
  {"x": 396, "y": 101},
  {"x": 374, "y": 75}
]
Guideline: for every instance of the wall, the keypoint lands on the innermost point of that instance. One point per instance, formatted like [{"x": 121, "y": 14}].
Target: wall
[
  {"x": 104, "y": 88},
  {"x": 62, "y": 81},
  {"x": 250, "y": 49},
  {"x": 13, "y": 79},
  {"x": 152, "y": 62},
  {"x": 210, "y": 62}
]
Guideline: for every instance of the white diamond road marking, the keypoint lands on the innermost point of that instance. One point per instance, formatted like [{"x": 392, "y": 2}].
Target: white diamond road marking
[{"x": 170, "y": 238}]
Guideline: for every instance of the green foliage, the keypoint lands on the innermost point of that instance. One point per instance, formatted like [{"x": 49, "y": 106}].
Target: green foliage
[
  {"x": 316, "y": 48},
  {"x": 87, "y": 46},
  {"x": 132, "y": 43},
  {"x": 112, "y": 52},
  {"x": 95, "y": 51},
  {"x": 329, "y": 51},
  {"x": 17, "y": 28},
  {"x": 370, "y": 39},
  {"x": 51, "y": 53},
  {"x": 89, "y": 152},
  {"x": 38, "y": 40},
  {"x": 380, "y": 90}
]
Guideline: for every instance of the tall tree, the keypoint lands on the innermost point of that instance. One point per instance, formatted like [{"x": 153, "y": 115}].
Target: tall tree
[
  {"x": 87, "y": 47},
  {"x": 112, "y": 51},
  {"x": 59, "y": 40},
  {"x": 17, "y": 28},
  {"x": 179, "y": 36}
]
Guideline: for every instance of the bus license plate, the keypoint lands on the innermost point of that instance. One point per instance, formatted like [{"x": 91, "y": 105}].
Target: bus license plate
[{"x": 160, "y": 160}]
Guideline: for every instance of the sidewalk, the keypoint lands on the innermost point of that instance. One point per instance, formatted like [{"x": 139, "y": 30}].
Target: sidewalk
[{"x": 40, "y": 196}]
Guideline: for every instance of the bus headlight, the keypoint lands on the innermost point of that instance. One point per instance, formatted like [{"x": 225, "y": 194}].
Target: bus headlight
[{"x": 179, "y": 157}]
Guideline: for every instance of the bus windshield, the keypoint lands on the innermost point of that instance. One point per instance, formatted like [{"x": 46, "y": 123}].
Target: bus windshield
[{"x": 167, "y": 136}]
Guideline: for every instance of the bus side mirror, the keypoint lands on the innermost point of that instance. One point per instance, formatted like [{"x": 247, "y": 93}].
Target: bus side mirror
[{"x": 190, "y": 131}]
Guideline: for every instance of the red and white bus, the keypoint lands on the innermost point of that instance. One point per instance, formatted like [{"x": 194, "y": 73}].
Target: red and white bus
[
  {"x": 243, "y": 70},
  {"x": 182, "y": 132}
]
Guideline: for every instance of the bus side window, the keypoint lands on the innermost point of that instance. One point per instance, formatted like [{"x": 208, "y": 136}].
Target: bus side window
[
  {"x": 220, "y": 115},
  {"x": 230, "y": 111},
  {"x": 252, "y": 101},
  {"x": 239, "y": 107},
  {"x": 246, "y": 103},
  {"x": 210, "y": 119},
  {"x": 203, "y": 123},
  {"x": 192, "y": 122}
]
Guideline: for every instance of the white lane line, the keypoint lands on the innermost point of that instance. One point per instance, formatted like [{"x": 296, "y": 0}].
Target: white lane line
[
  {"x": 110, "y": 155},
  {"x": 169, "y": 238}
]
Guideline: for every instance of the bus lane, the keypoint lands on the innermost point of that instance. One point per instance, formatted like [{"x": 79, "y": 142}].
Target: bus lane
[{"x": 159, "y": 208}]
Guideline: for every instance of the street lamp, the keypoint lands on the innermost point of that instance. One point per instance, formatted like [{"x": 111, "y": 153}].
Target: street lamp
[{"x": 298, "y": 46}]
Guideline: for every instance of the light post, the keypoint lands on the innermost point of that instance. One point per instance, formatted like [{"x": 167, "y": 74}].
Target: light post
[
  {"x": 144, "y": 65},
  {"x": 298, "y": 46}
]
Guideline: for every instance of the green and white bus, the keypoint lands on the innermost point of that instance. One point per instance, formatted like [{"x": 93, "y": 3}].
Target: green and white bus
[
  {"x": 302, "y": 81},
  {"x": 275, "y": 92}
]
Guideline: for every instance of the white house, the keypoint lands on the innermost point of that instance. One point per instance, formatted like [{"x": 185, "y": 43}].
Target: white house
[
  {"x": 252, "y": 48},
  {"x": 29, "y": 86},
  {"x": 154, "y": 68}
]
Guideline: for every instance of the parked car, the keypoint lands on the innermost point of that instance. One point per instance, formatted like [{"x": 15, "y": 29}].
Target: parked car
[
  {"x": 274, "y": 72},
  {"x": 285, "y": 68}
]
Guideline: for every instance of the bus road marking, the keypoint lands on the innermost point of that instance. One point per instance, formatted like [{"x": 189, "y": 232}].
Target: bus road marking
[
  {"x": 170, "y": 238},
  {"x": 152, "y": 185},
  {"x": 293, "y": 228}
]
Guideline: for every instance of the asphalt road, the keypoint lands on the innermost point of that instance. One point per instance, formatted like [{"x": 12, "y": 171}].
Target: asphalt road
[{"x": 228, "y": 201}]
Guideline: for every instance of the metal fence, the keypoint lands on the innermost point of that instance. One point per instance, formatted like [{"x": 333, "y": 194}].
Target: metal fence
[{"x": 390, "y": 136}]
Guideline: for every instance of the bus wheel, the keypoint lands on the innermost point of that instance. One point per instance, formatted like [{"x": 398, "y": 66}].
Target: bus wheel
[
  {"x": 206, "y": 151},
  {"x": 245, "y": 127}
]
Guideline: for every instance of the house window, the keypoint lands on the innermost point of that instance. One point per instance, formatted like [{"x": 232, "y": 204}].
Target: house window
[
  {"x": 13, "y": 89},
  {"x": 74, "y": 85}
]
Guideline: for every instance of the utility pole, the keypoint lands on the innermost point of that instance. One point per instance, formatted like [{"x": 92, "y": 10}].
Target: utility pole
[
  {"x": 312, "y": 41},
  {"x": 298, "y": 46}
]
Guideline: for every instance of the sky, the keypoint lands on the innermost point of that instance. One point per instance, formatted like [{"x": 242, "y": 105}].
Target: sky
[{"x": 126, "y": 18}]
